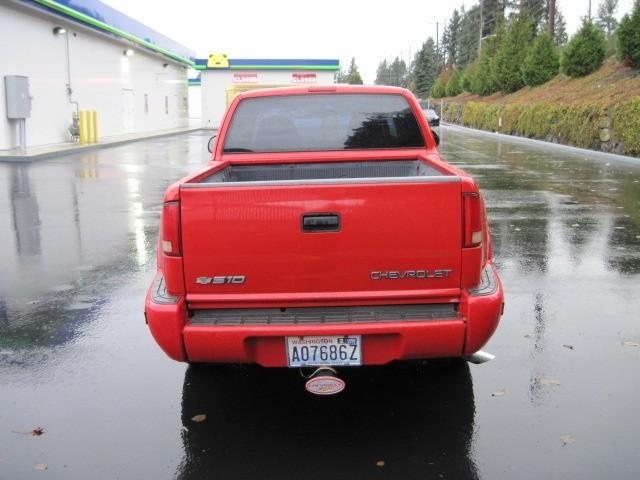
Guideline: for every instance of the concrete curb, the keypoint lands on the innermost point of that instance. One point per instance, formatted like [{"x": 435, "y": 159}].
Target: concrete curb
[
  {"x": 71, "y": 150},
  {"x": 590, "y": 154}
]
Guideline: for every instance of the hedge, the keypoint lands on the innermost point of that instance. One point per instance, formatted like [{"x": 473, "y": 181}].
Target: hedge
[
  {"x": 625, "y": 122},
  {"x": 576, "y": 124}
]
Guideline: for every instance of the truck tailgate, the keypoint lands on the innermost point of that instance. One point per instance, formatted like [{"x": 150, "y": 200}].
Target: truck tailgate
[{"x": 252, "y": 244}]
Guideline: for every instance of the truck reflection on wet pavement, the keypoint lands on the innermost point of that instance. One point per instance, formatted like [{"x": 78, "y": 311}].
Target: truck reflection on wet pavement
[
  {"x": 78, "y": 236},
  {"x": 258, "y": 426}
]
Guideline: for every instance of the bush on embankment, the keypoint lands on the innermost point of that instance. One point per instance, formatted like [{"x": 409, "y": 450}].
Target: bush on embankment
[
  {"x": 625, "y": 123},
  {"x": 629, "y": 37},
  {"x": 595, "y": 126}
]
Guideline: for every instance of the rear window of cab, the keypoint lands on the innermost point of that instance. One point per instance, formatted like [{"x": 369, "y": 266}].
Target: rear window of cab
[{"x": 321, "y": 122}]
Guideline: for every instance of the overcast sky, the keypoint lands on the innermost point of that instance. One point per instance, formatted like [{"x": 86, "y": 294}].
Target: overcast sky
[{"x": 368, "y": 30}]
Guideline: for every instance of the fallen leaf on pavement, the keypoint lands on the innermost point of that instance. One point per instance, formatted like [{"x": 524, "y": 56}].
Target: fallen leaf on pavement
[
  {"x": 631, "y": 344},
  {"x": 40, "y": 466},
  {"x": 380, "y": 463},
  {"x": 199, "y": 418},
  {"x": 570, "y": 347},
  {"x": 548, "y": 381},
  {"x": 567, "y": 439},
  {"x": 499, "y": 393},
  {"x": 36, "y": 432}
]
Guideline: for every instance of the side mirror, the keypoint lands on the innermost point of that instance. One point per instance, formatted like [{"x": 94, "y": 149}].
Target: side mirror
[
  {"x": 436, "y": 137},
  {"x": 210, "y": 144}
]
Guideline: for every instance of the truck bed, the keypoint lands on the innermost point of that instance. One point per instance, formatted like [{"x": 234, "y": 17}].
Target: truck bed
[{"x": 364, "y": 170}]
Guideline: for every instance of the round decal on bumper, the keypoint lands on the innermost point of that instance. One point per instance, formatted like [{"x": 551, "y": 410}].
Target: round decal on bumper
[{"x": 324, "y": 385}]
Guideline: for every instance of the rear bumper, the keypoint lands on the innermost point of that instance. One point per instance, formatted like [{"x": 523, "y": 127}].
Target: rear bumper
[{"x": 463, "y": 332}]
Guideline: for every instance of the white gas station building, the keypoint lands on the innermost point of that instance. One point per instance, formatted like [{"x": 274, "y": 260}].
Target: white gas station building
[
  {"x": 61, "y": 59},
  {"x": 82, "y": 55},
  {"x": 222, "y": 78}
]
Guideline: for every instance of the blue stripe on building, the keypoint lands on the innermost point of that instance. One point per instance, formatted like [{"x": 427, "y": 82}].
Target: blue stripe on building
[
  {"x": 279, "y": 62},
  {"x": 106, "y": 14}
]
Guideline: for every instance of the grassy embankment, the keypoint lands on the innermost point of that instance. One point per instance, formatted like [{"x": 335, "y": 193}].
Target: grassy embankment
[{"x": 600, "y": 111}]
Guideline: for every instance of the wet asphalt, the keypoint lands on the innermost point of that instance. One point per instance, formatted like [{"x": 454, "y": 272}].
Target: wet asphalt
[{"x": 76, "y": 358}]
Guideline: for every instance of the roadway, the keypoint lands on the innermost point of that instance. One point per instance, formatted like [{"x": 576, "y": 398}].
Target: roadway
[{"x": 76, "y": 358}]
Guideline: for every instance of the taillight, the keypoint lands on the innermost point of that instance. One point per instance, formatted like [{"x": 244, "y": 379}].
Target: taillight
[
  {"x": 171, "y": 228},
  {"x": 472, "y": 215}
]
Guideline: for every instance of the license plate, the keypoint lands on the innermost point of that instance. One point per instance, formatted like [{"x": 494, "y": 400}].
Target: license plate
[{"x": 325, "y": 350}]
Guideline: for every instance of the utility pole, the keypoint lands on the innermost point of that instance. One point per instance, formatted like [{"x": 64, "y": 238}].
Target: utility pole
[
  {"x": 552, "y": 18},
  {"x": 437, "y": 24},
  {"x": 438, "y": 40},
  {"x": 480, "y": 35},
  {"x": 589, "y": 10}
]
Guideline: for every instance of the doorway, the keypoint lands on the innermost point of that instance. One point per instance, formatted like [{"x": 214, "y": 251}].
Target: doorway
[{"x": 128, "y": 110}]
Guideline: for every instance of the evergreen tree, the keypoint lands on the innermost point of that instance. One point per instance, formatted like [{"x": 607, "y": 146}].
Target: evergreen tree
[
  {"x": 454, "y": 85},
  {"x": 383, "y": 74},
  {"x": 468, "y": 77},
  {"x": 484, "y": 81},
  {"x": 398, "y": 73},
  {"x": 492, "y": 10},
  {"x": 560, "y": 28},
  {"x": 536, "y": 10},
  {"x": 467, "y": 49},
  {"x": 450, "y": 38},
  {"x": 445, "y": 44},
  {"x": 560, "y": 36},
  {"x": 424, "y": 69},
  {"x": 629, "y": 37},
  {"x": 585, "y": 51},
  {"x": 511, "y": 54},
  {"x": 439, "y": 88},
  {"x": 542, "y": 62},
  {"x": 410, "y": 77},
  {"x": 353, "y": 75},
  {"x": 607, "y": 16}
]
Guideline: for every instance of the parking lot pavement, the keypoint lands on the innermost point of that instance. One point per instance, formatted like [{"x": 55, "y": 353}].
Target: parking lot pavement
[{"x": 77, "y": 360}]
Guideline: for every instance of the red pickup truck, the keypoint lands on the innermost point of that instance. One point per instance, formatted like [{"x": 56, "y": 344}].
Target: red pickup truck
[{"x": 325, "y": 230}]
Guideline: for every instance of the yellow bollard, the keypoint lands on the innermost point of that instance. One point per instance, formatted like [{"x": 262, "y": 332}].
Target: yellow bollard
[
  {"x": 96, "y": 137},
  {"x": 91, "y": 135},
  {"x": 83, "y": 126}
]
